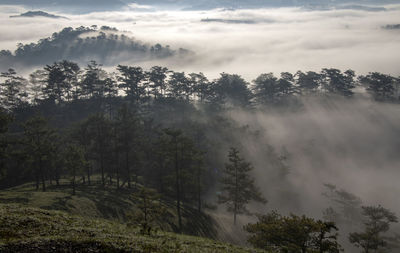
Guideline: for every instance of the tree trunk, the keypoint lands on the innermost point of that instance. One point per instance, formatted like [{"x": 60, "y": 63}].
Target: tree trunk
[
  {"x": 199, "y": 188},
  {"x": 87, "y": 165},
  {"x": 236, "y": 194},
  {"x": 42, "y": 175},
  {"x": 88, "y": 174},
  {"x": 57, "y": 178},
  {"x": 103, "y": 181},
  {"x": 43, "y": 183},
  {"x": 117, "y": 172},
  {"x": 116, "y": 157},
  {"x": 145, "y": 208},
  {"x": 136, "y": 178},
  {"x": 37, "y": 179},
  {"x": 178, "y": 193},
  {"x": 127, "y": 167},
  {"x": 73, "y": 183}
]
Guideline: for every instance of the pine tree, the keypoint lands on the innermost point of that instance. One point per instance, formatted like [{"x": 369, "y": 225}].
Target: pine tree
[
  {"x": 74, "y": 162},
  {"x": 377, "y": 222},
  {"x": 200, "y": 86},
  {"x": 127, "y": 134},
  {"x": 40, "y": 141},
  {"x": 61, "y": 78},
  {"x": 11, "y": 90},
  {"x": 5, "y": 120},
  {"x": 157, "y": 77},
  {"x": 131, "y": 82},
  {"x": 82, "y": 134},
  {"x": 336, "y": 82},
  {"x": 380, "y": 86},
  {"x": 149, "y": 203},
  {"x": 266, "y": 89},
  {"x": 238, "y": 186},
  {"x": 100, "y": 131},
  {"x": 175, "y": 136},
  {"x": 308, "y": 83},
  {"x": 232, "y": 89},
  {"x": 179, "y": 86}
]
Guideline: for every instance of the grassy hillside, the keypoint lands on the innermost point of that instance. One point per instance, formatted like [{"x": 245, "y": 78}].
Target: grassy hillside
[
  {"x": 27, "y": 229},
  {"x": 106, "y": 203}
]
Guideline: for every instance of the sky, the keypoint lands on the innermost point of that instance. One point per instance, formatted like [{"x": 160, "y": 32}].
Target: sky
[{"x": 244, "y": 41}]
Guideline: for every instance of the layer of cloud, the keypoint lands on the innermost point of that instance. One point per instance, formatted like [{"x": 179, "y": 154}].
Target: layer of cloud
[{"x": 281, "y": 39}]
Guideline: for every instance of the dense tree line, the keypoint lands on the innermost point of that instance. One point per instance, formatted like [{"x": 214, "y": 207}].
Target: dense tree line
[{"x": 65, "y": 81}]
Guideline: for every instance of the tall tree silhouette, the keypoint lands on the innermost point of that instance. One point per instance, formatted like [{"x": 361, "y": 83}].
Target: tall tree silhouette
[
  {"x": 39, "y": 140},
  {"x": 157, "y": 77},
  {"x": 238, "y": 187},
  {"x": 131, "y": 81},
  {"x": 380, "y": 86},
  {"x": 61, "y": 77},
  {"x": 12, "y": 91}
]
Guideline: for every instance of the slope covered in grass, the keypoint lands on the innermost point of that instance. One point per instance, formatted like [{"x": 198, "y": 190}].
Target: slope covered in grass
[
  {"x": 27, "y": 229},
  {"x": 107, "y": 202}
]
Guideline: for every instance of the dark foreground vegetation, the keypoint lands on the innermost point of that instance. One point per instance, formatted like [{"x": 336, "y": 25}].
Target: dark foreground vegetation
[{"x": 159, "y": 142}]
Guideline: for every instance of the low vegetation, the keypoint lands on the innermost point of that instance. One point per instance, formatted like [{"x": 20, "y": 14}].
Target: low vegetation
[{"x": 26, "y": 229}]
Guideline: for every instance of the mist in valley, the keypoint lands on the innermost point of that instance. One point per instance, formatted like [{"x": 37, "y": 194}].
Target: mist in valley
[{"x": 323, "y": 154}]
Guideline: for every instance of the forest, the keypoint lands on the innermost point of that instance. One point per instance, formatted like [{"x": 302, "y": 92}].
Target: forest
[
  {"x": 105, "y": 44},
  {"x": 169, "y": 136}
]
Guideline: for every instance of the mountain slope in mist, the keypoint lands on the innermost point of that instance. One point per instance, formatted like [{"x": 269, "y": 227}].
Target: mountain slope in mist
[
  {"x": 77, "y": 6},
  {"x": 33, "y": 14},
  {"x": 105, "y": 45}
]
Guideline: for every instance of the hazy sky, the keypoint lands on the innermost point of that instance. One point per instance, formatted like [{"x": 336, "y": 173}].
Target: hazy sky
[{"x": 280, "y": 39}]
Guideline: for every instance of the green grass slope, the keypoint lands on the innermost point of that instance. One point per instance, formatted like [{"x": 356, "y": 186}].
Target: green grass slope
[
  {"x": 94, "y": 201},
  {"x": 28, "y": 229}
]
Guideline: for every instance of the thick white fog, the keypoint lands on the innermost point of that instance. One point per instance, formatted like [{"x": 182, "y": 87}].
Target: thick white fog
[
  {"x": 247, "y": 42},
  {"x": 349, "y": 143}
]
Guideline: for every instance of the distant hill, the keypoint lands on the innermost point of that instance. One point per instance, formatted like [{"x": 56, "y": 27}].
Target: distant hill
[
  {"x": 72, "y": 6},
  {"x": 392, "y": 27},
  {"x": 210, "y": 4},
  {"x": 32, "y": 14},
  {"x": 228, "y": 21},
  {"x": 105, "y": 45}
]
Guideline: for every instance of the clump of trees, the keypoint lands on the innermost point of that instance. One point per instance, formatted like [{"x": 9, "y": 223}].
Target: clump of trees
[{"x": 293, "y": 233}]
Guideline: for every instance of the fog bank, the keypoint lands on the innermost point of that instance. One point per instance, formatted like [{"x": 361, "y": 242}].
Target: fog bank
[{"x": 252, "y": 42}]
